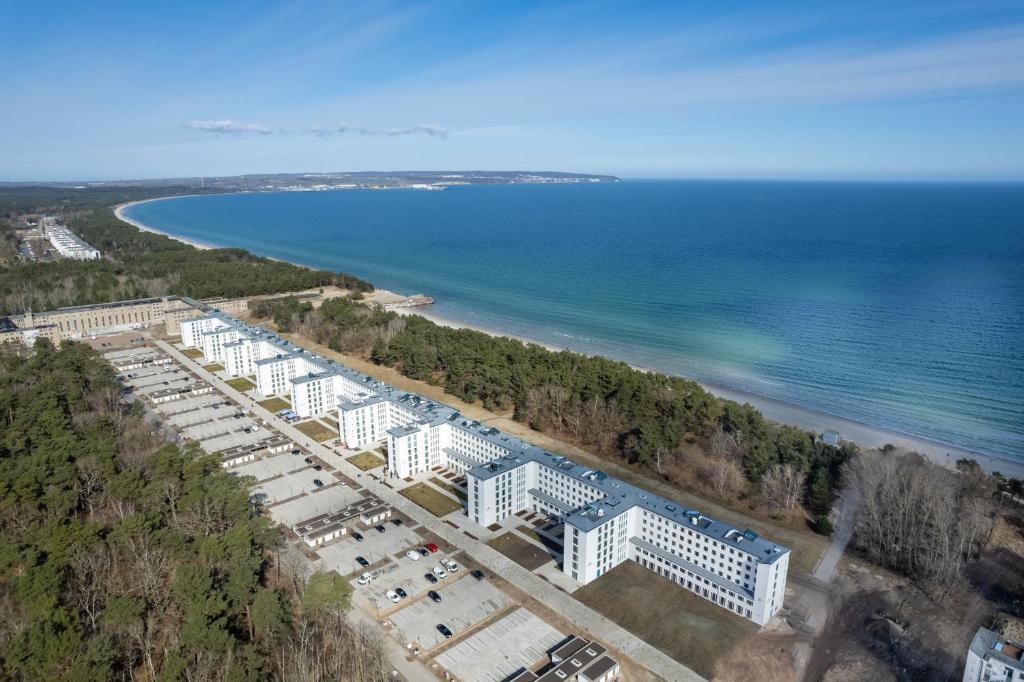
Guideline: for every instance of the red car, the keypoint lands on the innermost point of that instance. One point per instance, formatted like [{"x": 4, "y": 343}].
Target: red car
[{"x": 431, "y": 547}]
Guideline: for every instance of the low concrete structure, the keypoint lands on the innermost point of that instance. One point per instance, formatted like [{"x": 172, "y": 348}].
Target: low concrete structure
[{"x": 323, "y": 528}]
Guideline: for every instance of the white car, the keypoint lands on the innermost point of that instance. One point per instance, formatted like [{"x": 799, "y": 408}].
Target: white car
[
  {"x": 364, "y": 579},
  {"x": 392, "y": 595},
  {"x": 450, "y": 565},
  {"x": 439, "y": 572},
  {"x": 415, "y": 556}
]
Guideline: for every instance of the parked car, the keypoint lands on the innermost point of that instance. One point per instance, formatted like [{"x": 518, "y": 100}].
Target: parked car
[
  {"x": 430, "y": 578},
  {"x": 423, "y": 551},
  {"x": 396, "y": 522},
  {"x": 362, "y": 561},
  {"x": 365, "y": 579},
  {"x": 401, "y": 593},
  {"x": 443, "y": 629},
  {"x": 317, "y": 467},
  {"x": 439, "y": 572},
  {"x": 431, "y": 547},
  {"x": 393, "y": 596},
  {"x": 415, "y": 556},
  {"x": 357, "y": 537},
  {"x": 434, "y": 596},
  {"x": 479, "y": 575},
  {"x": 379, "y": 529},
  {"x": 450, "y": 565},
  {"x": 318, "y": 483}
]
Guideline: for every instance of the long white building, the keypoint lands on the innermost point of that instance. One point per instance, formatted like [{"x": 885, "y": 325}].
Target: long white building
[
  {"x": 67, "y": 243},
  {"x": 607, "y": 521}
]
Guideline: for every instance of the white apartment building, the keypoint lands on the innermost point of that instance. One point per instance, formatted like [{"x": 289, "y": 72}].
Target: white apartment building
[
  {"x": 67, "y": 243},
  {"x": 607, "y": 521},
  {"x": 994, "y": 658},
  {"x": 313, "y": 384}
]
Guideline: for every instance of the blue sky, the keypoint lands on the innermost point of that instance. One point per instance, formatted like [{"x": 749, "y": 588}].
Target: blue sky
[{"x": 859, "y": 90}]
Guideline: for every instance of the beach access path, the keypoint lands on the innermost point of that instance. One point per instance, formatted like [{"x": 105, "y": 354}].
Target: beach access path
[{"x": 580, "y": 615}]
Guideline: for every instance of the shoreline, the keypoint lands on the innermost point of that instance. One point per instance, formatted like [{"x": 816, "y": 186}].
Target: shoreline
[
  {"x": 783, "y": 412},
  {"x": 773, "y": 409},
  {"x": 119, "y": 214}
]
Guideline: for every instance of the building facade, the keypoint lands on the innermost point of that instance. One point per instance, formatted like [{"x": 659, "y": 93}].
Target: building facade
[{"x": 607, "y": 521}]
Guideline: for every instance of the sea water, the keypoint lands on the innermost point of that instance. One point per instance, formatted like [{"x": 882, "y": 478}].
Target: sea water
[{"x": 897, "y": 305}]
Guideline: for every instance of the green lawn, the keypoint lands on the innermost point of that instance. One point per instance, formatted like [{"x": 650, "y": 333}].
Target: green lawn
[
  {"x": 445, "y": 485},
  {"x": 333, "y": 423},
  {"x": 214, "y": 367},
  {"x": 434, "y": 502},
  {"x": 366, "y": 461},
  {"x": 240, "y": 384},
  {"x": 274, "y": 404},
  {"x": 193, "y": 353},
  {"x": 316, "y": 430}
]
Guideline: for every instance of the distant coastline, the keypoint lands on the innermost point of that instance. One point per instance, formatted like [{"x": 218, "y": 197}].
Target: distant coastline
[
  {"x": 776, "y": 410},
  {"x": 120, "y": 209}
]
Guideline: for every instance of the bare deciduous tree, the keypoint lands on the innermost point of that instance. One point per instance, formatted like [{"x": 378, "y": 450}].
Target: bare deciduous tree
[{"x": 782, "y": 486}]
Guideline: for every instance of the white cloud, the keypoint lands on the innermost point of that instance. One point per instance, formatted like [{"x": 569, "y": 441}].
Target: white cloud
[
  {"x": 228, "y": 126},
  {"x": 430, "y": 129}
]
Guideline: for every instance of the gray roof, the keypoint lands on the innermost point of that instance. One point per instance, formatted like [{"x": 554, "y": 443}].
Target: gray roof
[
  {"x": 988, "y": 644},
  {"x": 619, "y": 496}
]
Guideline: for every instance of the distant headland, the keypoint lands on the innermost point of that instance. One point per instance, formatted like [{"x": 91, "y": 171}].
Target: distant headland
[{"x": 311, "y": 182}]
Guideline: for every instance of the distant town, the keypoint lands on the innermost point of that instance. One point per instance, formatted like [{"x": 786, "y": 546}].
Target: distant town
[{"x": 312, "y": 182}]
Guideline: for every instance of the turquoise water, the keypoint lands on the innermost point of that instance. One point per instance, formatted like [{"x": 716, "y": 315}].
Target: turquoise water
[{"x": 897, "y": 305}]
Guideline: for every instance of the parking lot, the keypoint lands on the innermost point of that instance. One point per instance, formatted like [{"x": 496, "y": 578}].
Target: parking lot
[
  {"x": 464, "y": 603},
  {"x": 234, "y": 437},
  {"x": 325, "y": 501},
  {"x": 280, "y": 489},
  {"x": 410, "y": 576},
  {"x": 396, "y": 540},
  {"x": 210, "y": 429},
  {"x": 271, "y": 467},
  {"x": 199, "y": 415},
  {"x": 185, "y": 404},
  {"x": 516, "y": 641},
  {"x": 154, "y": 375}
]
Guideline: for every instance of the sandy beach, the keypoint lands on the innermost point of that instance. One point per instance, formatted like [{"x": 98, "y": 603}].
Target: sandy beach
[
  {"x": 779, "y": 411},
  {"x": 119, "y": 212},
  {"x": 862, "y": 434}
]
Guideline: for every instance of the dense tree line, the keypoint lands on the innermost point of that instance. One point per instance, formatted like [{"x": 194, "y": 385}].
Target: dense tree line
[
  {"x": 606, "y": 405},
  {"x": 122, "y": 558},
  {"x": 136, "y": 264}
]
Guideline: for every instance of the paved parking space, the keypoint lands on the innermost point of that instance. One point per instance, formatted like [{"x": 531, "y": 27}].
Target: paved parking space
[
  {"x": 464, "y": 603},
  {"x": 210, "y": 429},
  {"x": 144, "y": 378},
  {"x": 517, "y": 641},
  {"x": 407, "y": 574},
  {"x": 269, "y": 467},
  {"x": 151, "y": 375},
  {"x": 237, "y": 436},
  {"x": 325, "y": 501},
  {"x": 289, "y": 486},
  {"x": 167, "y": 383},
  {"x": 184, "y": 405},
  {"x": 375, "y": 546},
  {"x": 198, "y": 416}
]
